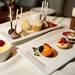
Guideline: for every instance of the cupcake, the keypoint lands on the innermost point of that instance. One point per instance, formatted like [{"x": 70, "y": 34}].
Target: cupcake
[
  {"x": 37, "y": 25},
  {"x": 26, "y": 26}
]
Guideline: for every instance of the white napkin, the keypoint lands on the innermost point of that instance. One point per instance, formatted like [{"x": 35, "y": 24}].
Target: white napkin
[{"x": 67, "y": 70}]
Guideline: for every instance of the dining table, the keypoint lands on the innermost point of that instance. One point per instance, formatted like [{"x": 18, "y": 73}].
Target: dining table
[{"x": 18, "y": 65}]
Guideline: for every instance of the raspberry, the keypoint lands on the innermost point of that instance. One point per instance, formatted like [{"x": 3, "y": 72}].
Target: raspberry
[
  {"x": 2, "y": 43},
  {"x": 41, "y": 48}
]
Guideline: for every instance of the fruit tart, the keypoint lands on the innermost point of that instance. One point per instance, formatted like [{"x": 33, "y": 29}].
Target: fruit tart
[{"x": 63, "y": 43}]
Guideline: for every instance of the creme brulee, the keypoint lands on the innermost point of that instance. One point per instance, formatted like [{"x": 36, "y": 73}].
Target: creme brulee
[{"x": 5, "y": 47}]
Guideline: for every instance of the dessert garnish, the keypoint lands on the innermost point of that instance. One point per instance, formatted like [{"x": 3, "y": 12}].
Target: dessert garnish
[
  {"x": 66, "y": 33},
  {"x": 2, "y": 43},
  {"x": 44, "y": 24},
  {"x": 12, "y": 32},
  {"x": 50, "y": 24},
  {"x": 63, "y": 43},
  {"x": 45, "y": 50},
  {"x": 11, "y": 29},
  {"x": 14, "y": 35},
  {"x": 36, "y": 51}
]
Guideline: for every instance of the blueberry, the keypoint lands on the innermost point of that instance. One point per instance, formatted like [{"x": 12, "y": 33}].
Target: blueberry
[{"x": 41, "y": 48}]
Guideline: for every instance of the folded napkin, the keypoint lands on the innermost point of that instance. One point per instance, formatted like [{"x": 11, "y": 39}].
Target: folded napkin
[{"x": 69, "y": 69}]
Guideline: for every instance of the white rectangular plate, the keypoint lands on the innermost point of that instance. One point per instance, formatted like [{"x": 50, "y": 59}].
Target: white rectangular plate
[
  {"x": 33, "y": 34},
  {"x": 45, "y": 64}
]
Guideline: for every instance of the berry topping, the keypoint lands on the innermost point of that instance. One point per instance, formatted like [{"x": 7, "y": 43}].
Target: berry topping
[
  {"x": 2, "y": 43},
  {"x": 41, "y": 48},
  {"x": 66, "y": 33},
  {"x": 50, "y": 24},
  {"x": 62, "y": 40}
]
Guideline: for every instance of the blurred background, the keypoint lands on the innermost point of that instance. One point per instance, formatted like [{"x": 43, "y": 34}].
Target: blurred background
[{"x": 61, "y": 7}]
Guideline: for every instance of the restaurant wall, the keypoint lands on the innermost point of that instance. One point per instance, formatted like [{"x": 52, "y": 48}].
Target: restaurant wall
[
  {"x": 69, "y": 4},
  {"x": 28, "y": 3},
  {"x": 57, "y": 5},
  {"x": 62, "y": 7}
]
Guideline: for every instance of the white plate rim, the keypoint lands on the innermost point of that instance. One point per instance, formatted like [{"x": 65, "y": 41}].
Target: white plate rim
[{"x": 26, "y": 54}]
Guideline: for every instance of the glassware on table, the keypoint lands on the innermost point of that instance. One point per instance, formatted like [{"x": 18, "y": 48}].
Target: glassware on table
[{"x": 44, "y": 9}]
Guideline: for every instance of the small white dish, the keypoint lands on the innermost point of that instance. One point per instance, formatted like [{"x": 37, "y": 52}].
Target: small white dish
[{"x": 5, "y": 49}]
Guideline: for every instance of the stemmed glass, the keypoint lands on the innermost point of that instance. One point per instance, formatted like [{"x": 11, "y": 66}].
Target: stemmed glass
[
  {"x": 11, "y": 14},
  {"x": 44, "y": 9}
]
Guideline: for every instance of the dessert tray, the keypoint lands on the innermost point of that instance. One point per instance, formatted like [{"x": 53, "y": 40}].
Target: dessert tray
[
  {"x": 4, "y": 31},
  {"x": 33, "y": 34},
  {"x": 45, "y": 64}
]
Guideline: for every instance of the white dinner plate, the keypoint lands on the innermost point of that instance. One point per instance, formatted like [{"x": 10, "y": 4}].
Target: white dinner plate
[
  {"x": 45, "y": 64},
  {"x": 38, "y": 9}
]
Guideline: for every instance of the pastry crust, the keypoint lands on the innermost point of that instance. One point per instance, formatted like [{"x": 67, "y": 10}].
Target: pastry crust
[{"x": 64, "y": 46}]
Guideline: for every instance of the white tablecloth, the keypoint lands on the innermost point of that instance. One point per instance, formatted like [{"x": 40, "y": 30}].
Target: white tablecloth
[{"x": 18, "y": 65}]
